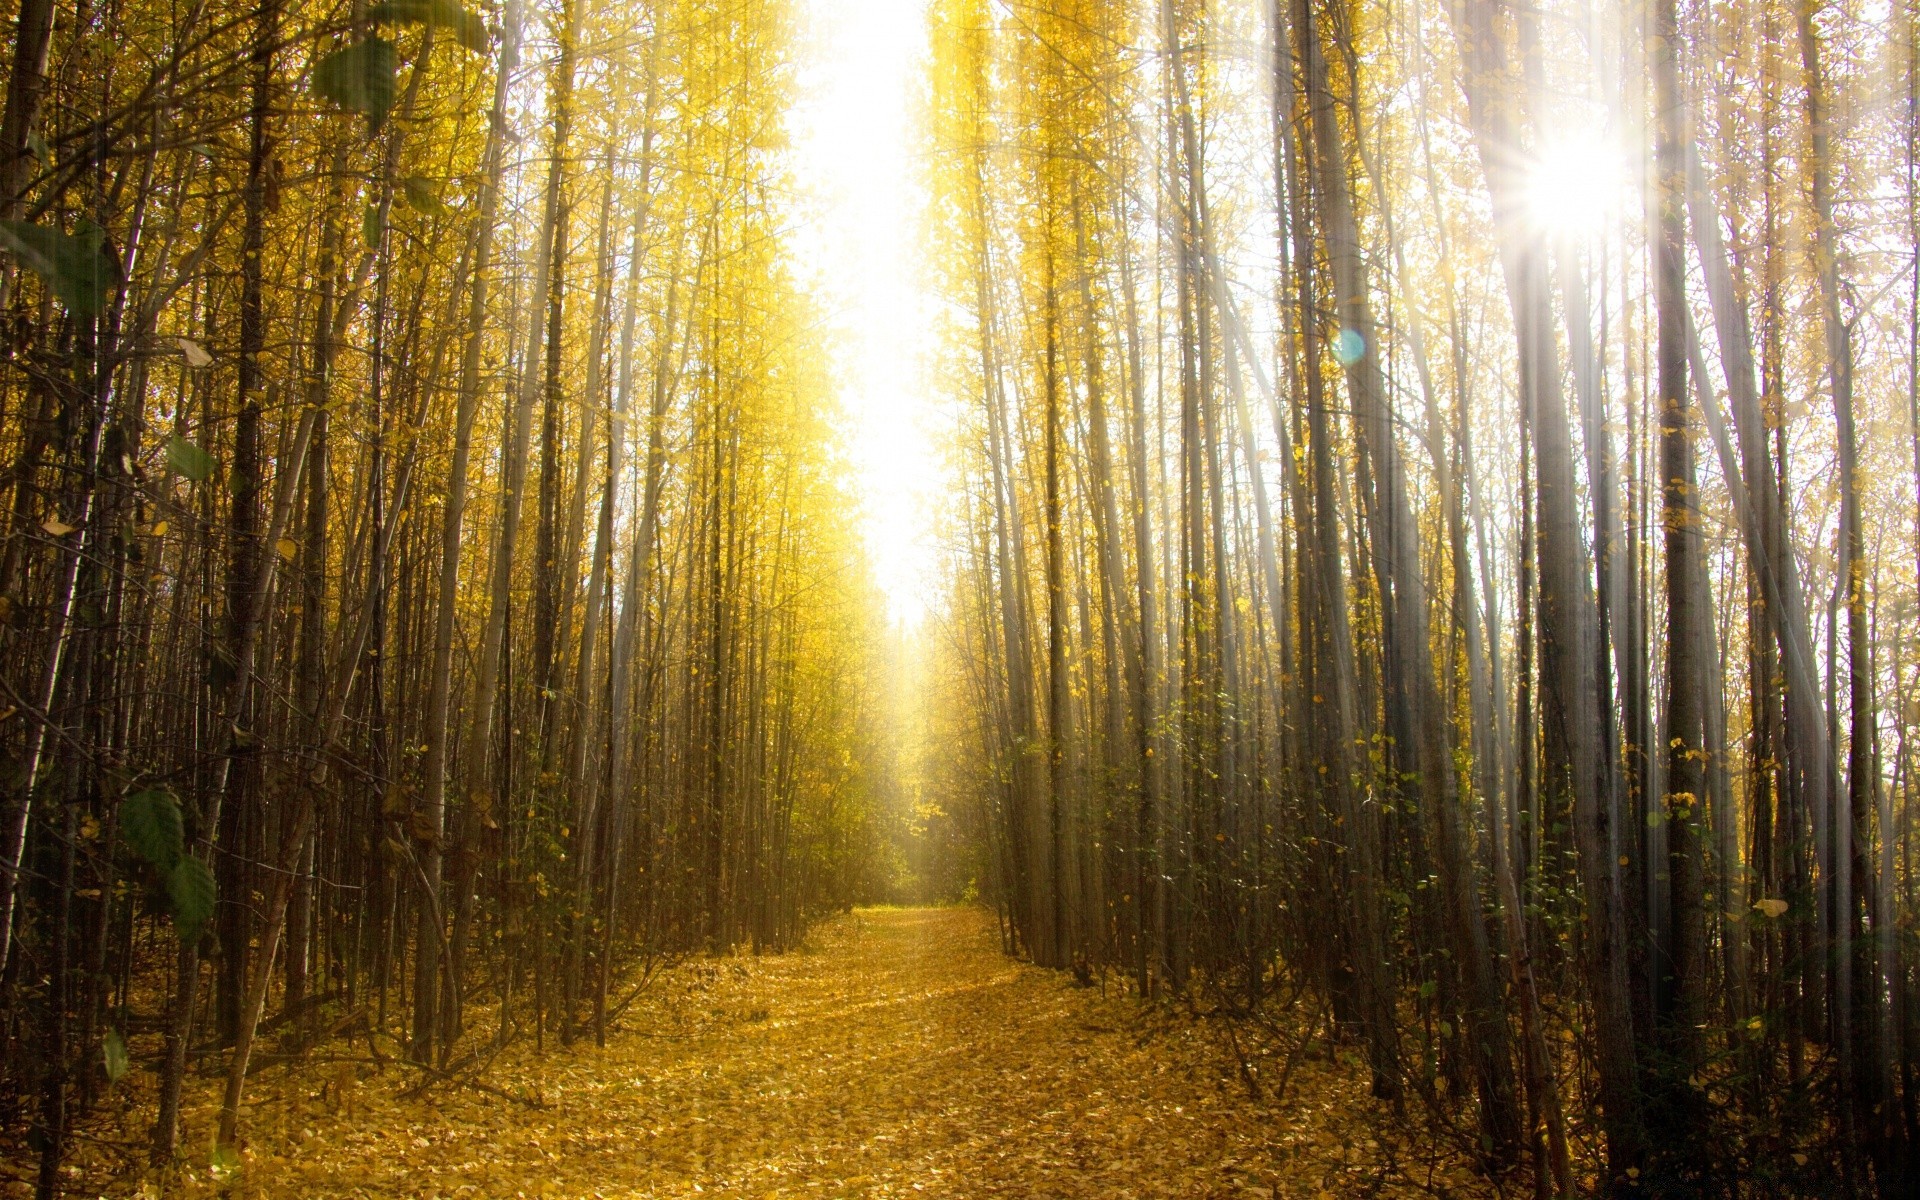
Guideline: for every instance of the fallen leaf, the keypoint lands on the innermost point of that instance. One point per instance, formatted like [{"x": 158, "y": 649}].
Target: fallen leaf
[{"x": 195, "y": 353}]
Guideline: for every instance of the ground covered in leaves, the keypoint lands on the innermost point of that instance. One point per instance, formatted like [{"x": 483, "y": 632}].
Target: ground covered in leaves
[{"x": 898, "y": 1054}]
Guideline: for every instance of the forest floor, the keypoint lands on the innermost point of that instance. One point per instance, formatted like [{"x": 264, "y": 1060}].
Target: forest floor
[{"x": 899, "y": 1053}]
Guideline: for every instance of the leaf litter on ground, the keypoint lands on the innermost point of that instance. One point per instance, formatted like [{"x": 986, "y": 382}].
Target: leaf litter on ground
[{"x": 898, "y": 1053}]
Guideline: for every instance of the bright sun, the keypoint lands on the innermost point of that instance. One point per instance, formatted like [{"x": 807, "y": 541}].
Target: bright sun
[
  {"x": 1574, "y": 186},
  {"x": 852, "y": 133}
]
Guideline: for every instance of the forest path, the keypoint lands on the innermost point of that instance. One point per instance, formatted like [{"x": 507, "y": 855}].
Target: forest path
[{"x": 898, "y": 1054}]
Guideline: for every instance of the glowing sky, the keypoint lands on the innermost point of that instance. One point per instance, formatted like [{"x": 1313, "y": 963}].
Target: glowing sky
[{"x": 854, "y": 242}]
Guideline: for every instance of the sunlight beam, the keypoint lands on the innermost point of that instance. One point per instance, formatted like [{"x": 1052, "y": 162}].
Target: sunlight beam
[{"x": 852, "y": 129}]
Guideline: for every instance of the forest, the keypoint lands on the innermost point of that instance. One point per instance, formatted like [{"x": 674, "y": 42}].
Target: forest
[{"x": 1411, "y": 610}]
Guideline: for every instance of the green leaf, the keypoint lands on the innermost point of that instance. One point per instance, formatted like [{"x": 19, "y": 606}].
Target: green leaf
[
  {"x": 118, "y": 1062},
  {"x": 79, "y": 267},
  {"x": 359, "y": 77},
  {"x": 371, "y": 226},
  {"x": 468, "y": 28},
  {"x": 188, "y": 459},
  {"x": 190, "y": 887},
  {"x": 150, "y": 821},
  {"x": 423, "y": 196}
]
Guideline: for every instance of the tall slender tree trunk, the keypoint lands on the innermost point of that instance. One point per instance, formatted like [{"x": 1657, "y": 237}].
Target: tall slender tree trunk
[
  {"x": 1058, "y": 936},
  {"x": 1680, "y": 991},
  {"x": 583, "y": 783},
  {"x": 1857, "y": 1005},
  {"x": 485, "y": 698},
  {"x": 1567, "y": 614},
  {"x": 476, "y": 807},
  {"x": 1403, "y": 597}
]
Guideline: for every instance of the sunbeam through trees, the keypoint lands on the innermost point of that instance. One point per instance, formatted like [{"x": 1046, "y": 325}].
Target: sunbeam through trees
[{"x": 1382, "y": 535}]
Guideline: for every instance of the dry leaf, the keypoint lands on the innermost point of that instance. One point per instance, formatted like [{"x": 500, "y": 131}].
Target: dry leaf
[
  {"x": 196, "y": 354},
  {"x": 55, "y": 527}
]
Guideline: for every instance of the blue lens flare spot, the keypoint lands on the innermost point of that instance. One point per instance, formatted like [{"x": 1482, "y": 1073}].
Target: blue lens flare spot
[{"x": 1348, "y": 346}]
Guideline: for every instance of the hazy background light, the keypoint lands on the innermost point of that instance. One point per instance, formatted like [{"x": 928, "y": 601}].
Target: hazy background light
[{"x": 855, "y": 247}]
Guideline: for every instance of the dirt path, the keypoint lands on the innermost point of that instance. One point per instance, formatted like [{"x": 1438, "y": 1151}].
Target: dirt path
[{"x": 900, "y": 1054}]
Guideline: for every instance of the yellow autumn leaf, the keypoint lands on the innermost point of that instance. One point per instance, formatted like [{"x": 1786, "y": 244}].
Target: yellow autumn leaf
[
  {"x": 159, "y": 529},
  {"x": 1770, "y": 907},
  {"x": 286, "y": 548},
  {"x": 55, "y": 527}
]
